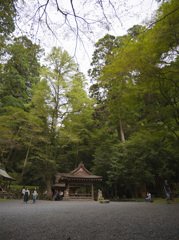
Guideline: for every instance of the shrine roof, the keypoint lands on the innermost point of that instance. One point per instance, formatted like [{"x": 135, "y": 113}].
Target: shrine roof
[
  {"x": 4, "y": 174},
  {"x": 80, "y": 173}
]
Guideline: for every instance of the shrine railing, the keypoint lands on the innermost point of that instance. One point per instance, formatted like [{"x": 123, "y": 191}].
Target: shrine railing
[{"x": 80, "y": 195}]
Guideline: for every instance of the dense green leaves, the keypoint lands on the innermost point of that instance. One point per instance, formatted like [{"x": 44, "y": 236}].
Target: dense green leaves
[
  {"x": 140, "y": 81},
  {"x": 7, "y": 14},
  {"x": 19, "y": 73}
]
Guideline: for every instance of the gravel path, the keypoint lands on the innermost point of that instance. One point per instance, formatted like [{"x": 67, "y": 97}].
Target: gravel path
[{"x": 88, "y": 220}]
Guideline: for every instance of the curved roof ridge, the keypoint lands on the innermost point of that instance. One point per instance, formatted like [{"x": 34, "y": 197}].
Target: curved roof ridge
[{"x": 81, "y": 165}]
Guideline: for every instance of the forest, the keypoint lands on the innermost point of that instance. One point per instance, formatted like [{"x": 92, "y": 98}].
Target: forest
[{"x": 124, "y": 127}]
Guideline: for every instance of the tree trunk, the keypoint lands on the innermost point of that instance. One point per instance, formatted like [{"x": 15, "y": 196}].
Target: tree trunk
[
  {"x": 9, "y": 154},
  {"x": 12, "y": 146},
  {"x": 27, "y": 154},
  {"x": 115, "y": 188},
  {"x": 121, "y": 132},
  {"x": 76, "y": 154},
  {"x": 2, "y": 156},
  {"x": 48, "y": 187}
]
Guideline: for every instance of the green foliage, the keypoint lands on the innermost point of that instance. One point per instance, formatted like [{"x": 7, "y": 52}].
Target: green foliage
[
  {"x": 140, "y": 89},
  {"x": 19, "y": 73},
  {"x": 138, "y": 160},
  {"x": 33, "y": 175},
  {"x": 7, "y": 15},
  {"x": 59, "y": 73},
  {"x": 7, "y": 26},
  {"x": 19, "y": 130}
]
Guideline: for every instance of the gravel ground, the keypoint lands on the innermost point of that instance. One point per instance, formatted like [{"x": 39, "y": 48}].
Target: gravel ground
[{"x": 88, "y": 220}]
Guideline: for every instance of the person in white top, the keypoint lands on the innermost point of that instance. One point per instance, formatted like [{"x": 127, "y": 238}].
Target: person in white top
[
  {"x": 23, "y": 193},
  {"x": 148, "y": 198}
]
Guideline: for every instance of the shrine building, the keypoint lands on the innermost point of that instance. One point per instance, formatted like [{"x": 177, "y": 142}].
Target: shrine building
[
  {"x": 5, "y": 180},
  {"x": 76, "y": 185}
]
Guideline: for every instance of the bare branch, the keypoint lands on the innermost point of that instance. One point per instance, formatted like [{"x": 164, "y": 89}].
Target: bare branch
[
  {"x": 153, "y": 23},
  {"x": 77, "y": 28},
  {"x": 58, "y": 9}
]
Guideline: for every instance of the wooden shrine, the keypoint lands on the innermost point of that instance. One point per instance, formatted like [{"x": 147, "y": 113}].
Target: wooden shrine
[
  {"x": 5, "y": 180},
  {"x": 76, "y": 185}
]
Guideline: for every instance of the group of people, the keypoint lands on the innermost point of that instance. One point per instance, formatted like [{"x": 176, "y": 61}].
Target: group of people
[
  {"x": 58, "y": 196},
  {"x": 167, "y": 193},
  {"x": 26, "y": 194}
]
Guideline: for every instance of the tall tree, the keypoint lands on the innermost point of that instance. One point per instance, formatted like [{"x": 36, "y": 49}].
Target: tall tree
[
  {"x": 40, "y": 156},
  {"x": 76, "y": 126},
  {"x": 58, "y": 73},
  {"x": 20, "y": 72},
  {"x": 67, "y": 97},
  {"x": 106, "y": 48}
]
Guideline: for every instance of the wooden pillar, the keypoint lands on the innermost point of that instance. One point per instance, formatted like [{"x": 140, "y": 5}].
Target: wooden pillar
[
  {"x": 68, "y": 189},
  {"x": 66, "y": 193},
  {"x": 92, "y": 189}
]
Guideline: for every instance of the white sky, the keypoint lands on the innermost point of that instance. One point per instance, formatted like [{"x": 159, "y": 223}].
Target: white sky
[{"x": 128, "y": 13}]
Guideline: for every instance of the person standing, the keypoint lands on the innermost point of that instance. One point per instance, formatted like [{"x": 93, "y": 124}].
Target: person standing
[
  {"x": 167, "y": 191},
  {"x": 35, "y": 194},
  {"x": 57, "y": 198},
  {"x": 23, "y": 193},
  {"x": 26, "y": 196}
]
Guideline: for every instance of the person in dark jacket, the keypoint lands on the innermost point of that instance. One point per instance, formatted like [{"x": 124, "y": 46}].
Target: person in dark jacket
[
  {"x": 26, "y": 196},
  {"x": 57, "y": 197},
  {"x": 167, "y": 191}
]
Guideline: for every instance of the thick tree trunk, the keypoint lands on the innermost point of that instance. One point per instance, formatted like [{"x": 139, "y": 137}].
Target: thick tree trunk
[
  {"x": 121, "y": 132},
  {"x": 49, "y": 187},
  {"x": 27, "y": 154}
]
